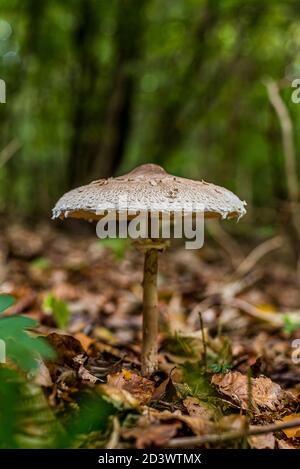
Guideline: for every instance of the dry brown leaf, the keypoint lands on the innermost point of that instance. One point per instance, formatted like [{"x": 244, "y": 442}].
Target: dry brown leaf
[
  {"x": 265, "y": 394},
  {"x": 196, "y": 409},
  {"x": 42, "y": 376},
  {"x": 85, "y": 375},
  {"x": 66, "y": 348},
  {"x": 152, "y": 435},
  {"x": 233, "y": 422},
  {"x": 198, "y": 425},
  {"x": 291, "y": 432},
  {"x": 118, "y": 397},
  {"x": 266, "y": 441},
  {"x": 140, "y": 388},
  {"x": 282, "y": 444},
  {"x": 84, "y": 340}
]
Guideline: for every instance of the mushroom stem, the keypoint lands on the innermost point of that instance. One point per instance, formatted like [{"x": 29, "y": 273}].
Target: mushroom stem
[{"x": 150, "y": 313}]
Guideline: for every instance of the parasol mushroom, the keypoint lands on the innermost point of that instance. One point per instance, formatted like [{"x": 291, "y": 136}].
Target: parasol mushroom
[{"x": 148, "y": 188}]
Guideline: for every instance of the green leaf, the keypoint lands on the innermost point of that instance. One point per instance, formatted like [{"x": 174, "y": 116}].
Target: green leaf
[
  {"x": 290, "y": 325},
  {"x": 220, "y": 367},
  {"x": 21, "y": 347},
  {"x": 41, "y": 263},
  {"x": 59, "y": 310},
  {"x": 117, "y": 246},
  {"x": 6, "y": 301},
  {"x": 9, "y": 398}
]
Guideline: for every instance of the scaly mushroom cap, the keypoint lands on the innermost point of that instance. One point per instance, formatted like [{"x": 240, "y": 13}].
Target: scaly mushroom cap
[{"x": 148, "y": 187}]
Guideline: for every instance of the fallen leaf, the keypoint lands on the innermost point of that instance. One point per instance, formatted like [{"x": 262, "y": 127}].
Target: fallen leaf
[
  {"x": 265, "y": 395},
  {"x": 140, "y": 388},
  {"x": 291, "y": 432},
  {"x": 153, "y": 435},
  {"x": 66, "y": 348},
  {"x": 198, "y": 425},
  {"x": 120, "y": 398},
  {"x": 282, "y": 444},
  {"x": 42, "y": 375},
  {"x": 233, "y": 422},
  {"x": 196, "y": 409},
  {"x": 84, "y": 340},
  {"x": 266, "y": 441}
]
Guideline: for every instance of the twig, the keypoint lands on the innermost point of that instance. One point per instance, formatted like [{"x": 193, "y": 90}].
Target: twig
[
  {"x": 203, "y": 340},
  {"x": 260, "y": 251},
  {"x": 273, "y": 318},
  {"x": 8, "y": 152},
  {"x": 287, "y": 137},
  {"x": 288, "y": 151},
  {"x": 192, "y": 441},
  {"x": 114, "y": 438},
  {"x": 249, "y": 408}
]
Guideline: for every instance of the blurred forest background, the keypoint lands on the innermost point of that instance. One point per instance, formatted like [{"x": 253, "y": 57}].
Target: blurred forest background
[
  {"x": 203, "y": 88},
  {"x": 96, "y": 87}
]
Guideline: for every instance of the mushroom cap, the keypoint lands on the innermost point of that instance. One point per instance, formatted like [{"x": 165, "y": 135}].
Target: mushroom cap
[{"x": 148, "y": 187}]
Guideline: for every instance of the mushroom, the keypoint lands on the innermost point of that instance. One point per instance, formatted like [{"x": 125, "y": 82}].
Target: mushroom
[{"x": 148, "y": 188}]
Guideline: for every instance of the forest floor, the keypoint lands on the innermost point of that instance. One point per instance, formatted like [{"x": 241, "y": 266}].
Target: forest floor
[{"x": 229, "y": 371}]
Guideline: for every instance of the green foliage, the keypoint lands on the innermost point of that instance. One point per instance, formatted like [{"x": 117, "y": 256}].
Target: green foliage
[
  {"x": 220, "y": 367},
  {"x": 21, "y": 347},
  {"x": 9, "y": 398},
  {"x": 198, "y": 381},
  {"x": 40, "y": 263},
  {"x": 59, "y": 310},
  {"x": 5, "y": 302},
  {"x": 184, "y": 346},
  {"x": 117, "y": 246},
  {"x": 220, "y": 128},
  {"x": 290, "y": 324},
  {"x": 92, "y": 414}
]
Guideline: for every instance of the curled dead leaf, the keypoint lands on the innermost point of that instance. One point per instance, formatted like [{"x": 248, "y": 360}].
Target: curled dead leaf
[
  {"x": 140, "y": 388},
  {"x": 198, "y": 425},
  {"x": 85, "y": 375},
  {"x": 153, "y": 435},
  {"x": 66, "y": 348},
  {"x": 265, "y": 394}
]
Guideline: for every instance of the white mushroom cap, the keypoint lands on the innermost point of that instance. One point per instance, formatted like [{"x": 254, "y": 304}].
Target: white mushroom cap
[{"x": 148, "y": 187}]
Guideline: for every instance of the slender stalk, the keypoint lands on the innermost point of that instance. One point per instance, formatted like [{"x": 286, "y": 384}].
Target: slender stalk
[
  {"x": 194, "y": 441},
  {"x": 150, "y": 313},
  {"x": 203, "y": 341}
]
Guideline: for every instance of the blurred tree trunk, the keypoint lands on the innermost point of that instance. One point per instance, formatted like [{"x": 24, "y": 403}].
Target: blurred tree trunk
[
  {"x": 118, "y": 116},
  {"x": 169, "y": 130},
  {"x": 84, "y": 79},
  {"x": 33, "y": 13},
  {"x": 101, "y": 124}
]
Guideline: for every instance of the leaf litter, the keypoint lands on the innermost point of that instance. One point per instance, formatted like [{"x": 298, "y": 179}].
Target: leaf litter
[{"x": 84, "y": 299}]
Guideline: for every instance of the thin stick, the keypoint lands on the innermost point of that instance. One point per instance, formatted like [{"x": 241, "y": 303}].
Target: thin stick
[
  {"x": 258, "y": 252},
  {"x": 150, "y": 313},
  {"x": 8, "y": 152},
  {"x": 192, "y": 441},
  {"x": 288, "y": 151},
  {"x": 203, "y": 340},
  {"x": 287, "y": 137},
  {"x": 249, "y": 408}
]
